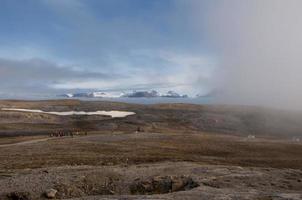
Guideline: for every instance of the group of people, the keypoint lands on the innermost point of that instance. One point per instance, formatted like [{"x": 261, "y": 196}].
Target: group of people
[{"x": 67, "y": 133}]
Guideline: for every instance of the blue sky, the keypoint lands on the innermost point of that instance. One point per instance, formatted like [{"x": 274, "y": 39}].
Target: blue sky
[
  {"x": 102, "y": 45},
  {"x": 248, "y": 51}
]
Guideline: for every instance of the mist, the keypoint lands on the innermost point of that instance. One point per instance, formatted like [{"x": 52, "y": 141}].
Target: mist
[{"x": 259, "y": 45}]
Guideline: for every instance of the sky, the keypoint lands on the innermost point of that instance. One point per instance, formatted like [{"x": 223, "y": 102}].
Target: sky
[
  {"x": 53, "y": 46},
  {"x": 244, "y": 52}
]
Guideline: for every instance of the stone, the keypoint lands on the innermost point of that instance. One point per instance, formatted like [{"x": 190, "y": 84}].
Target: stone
[
  {"x": 51, "y": 193},
  {"x": 162, "y": 185},
  {"x": 19, "y": 196},
  {"x": 177, "y": 184}
]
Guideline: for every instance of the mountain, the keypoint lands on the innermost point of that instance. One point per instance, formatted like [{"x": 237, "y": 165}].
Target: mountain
[
  {"x": 65, "y": 95},
  {"x": 172, "y": 94},
  {"x": 92, "y": 95},
  {"x": 106, "y": 94},
  {"x": 153, "y": 93},
  {"x": 138, "y": 94},
  {"x": 133, "y": 94},
  {"x": 212, "y": 93}
]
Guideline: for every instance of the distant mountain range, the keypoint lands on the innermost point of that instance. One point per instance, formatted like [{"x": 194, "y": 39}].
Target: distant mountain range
[
  {"x": 153, "y": 93},
  {"x": 133, "y": 94},
  {"x": 92, "y": 95}
]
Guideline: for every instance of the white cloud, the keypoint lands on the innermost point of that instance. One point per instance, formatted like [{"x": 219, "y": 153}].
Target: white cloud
[{"x": 185, "y": 73}]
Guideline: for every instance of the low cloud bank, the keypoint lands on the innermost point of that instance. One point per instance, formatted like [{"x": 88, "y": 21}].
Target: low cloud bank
[{"x": 259, "y": 45}]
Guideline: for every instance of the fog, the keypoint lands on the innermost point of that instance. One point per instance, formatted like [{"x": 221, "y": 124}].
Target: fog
[{"x": 259, "y": 45}]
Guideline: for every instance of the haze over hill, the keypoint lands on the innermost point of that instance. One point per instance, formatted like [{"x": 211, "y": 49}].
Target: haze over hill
[{"x": 259, "y": 45}]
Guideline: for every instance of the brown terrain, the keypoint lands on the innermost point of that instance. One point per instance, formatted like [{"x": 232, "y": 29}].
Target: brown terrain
[{"x": 164, "y": 151}]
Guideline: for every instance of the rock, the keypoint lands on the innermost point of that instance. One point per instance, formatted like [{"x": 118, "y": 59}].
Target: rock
[
  {"x": 180, "y": 183},
  {"x": 19, "y": 196},
  {"x": 51, "y": 193},
  {"x": 111, "y": 192},
  {"x": 141, "y": 187},
  {"x": 162, "y": 184},
  {"x": 177, "y": 184}
]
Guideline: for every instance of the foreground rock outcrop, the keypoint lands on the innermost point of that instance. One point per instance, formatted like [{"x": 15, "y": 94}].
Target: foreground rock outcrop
[
  {"x": 164, "y": 180},
  {"x": 162, "y": 184}
]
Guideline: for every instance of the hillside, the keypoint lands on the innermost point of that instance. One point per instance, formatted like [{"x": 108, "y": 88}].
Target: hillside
[{"x": 238, "y": 120}]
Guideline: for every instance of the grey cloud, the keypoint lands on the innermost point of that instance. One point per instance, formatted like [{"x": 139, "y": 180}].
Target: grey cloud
[{"x": 36, "y": 75}]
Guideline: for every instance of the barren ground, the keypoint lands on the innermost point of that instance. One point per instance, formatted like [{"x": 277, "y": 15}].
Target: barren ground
[{"x": 207, "y": 143}]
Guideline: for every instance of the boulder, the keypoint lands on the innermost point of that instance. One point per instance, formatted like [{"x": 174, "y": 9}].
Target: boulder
[
  {"x": 177, "y": 184},
  {"x": 183, "y": 183},
  {"x": 162, "y": 184},
  {"x": 19, "y": 196},
  {"x": 50, "y": 193}
]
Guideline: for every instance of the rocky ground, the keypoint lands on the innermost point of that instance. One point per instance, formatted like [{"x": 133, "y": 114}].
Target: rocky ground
[
  {"x": 172, "y": 157},
  {"x": 146, "y": 165},
  {"x": 115, "y": 182}
]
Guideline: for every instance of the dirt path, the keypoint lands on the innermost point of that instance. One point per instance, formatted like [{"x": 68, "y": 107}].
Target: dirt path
[{"x": 25, "y": 142}]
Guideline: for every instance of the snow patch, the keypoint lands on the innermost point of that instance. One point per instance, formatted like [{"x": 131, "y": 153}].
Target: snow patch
[{"x": 113, "y": 113}]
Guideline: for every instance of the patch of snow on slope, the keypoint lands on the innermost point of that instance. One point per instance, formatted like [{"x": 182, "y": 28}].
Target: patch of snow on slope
[{"x": 113, "y": 113}]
